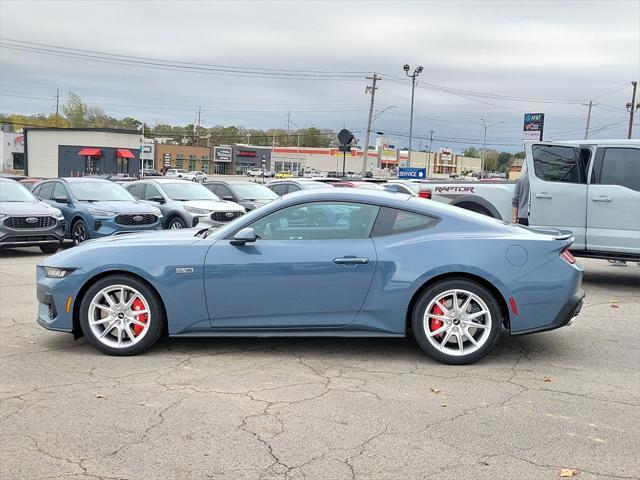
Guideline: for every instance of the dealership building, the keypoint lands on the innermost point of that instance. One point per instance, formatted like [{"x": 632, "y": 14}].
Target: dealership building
[
  {"x": 68, "y": 152},
  {"x": 11, "y": 150}
]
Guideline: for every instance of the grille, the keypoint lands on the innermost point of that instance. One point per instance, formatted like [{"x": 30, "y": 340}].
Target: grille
[
  {"x": 30, "y": 238},
  {"x": 225, "y": 216},
  {"x": 136, "y": 219},
  {"x": 34, "y": 222}
]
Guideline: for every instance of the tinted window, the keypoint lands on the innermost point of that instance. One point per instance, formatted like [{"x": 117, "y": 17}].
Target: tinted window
[
  {"x": 46, "y": 192},
  {"x": 392, "y": 221},
  {"x": 59, "y": 191},
  {"x": 621, "y": 166},
  {"x": 136, "y": 190},
  {"x": 224, "y": 191},
  {"x": 280, "y": 189},
  {"x": 318, "y": 221},
  {"x": 151, "y": 192},
  {"x": 97, "y": 191},
  {"x": 559, "y": 164},
  {"x": 213, "y": 187},
  {"x": 253, "y": 191}
]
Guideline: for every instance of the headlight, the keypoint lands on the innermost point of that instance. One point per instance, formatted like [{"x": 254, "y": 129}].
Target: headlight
[
  {"x": 201, "y": 211},
  {"x": 101, "y": 213},
  {"x": 56, "y": 272},
  {"x": 3, "y": 216},
  {"x": 157, "y": 212},
  {"x": 57, "y": 214}
]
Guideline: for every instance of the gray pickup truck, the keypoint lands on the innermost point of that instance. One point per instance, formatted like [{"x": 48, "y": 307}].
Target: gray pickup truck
[{"x": 590, "y": 187}]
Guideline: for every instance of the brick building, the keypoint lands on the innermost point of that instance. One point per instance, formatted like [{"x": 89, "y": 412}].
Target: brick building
[{"x": 183, "y": 156}]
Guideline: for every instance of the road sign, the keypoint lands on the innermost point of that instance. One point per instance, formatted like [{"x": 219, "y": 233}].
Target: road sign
[
  {"x": 412, "y": 172},
  {"x": 345, "y": 137}
]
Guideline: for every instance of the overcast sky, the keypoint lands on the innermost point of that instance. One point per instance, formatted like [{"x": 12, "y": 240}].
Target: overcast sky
[{"x": 556, "y": 54}]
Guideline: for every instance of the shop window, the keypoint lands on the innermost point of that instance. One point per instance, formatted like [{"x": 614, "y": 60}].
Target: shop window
[
  {"x": 192, "y": 165},
  {"x": 205, "y": 158},
  {"x": 122, "y": 166},
  {"x": 178, "y": 162},
  {"x": 205, "y": 167},
  {"x": 91, "y": 165},
  {"x": 179, "y": 156}
]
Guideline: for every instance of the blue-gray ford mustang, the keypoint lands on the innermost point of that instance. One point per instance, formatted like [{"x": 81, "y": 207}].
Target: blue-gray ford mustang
[{"x": 381, "y": 264}]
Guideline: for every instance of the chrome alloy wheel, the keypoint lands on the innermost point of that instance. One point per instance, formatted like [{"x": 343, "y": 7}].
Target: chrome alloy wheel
[
  {"x": 457, "y": 322},
  {"x": 119, "y": 316}
]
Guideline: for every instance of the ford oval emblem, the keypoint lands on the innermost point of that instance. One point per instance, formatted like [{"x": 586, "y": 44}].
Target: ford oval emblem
[
  {"x": 31, "y": 220},
  {"x": 138, "y": 218},
  {"x": 229, "y": 214}
]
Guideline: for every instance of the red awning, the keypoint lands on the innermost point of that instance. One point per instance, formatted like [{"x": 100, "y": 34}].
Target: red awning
[
  {"x": 90, "y": 152},
  {"x": 124, "y": 153}
]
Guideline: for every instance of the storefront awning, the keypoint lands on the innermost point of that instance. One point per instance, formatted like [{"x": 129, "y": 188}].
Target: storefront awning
[
  {"x": 91, "y": 152},
  {"x": 124, "y": 153}
]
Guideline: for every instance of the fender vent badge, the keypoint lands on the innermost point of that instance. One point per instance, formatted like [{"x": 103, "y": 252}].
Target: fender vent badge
[{"x": 184, "y": 270}]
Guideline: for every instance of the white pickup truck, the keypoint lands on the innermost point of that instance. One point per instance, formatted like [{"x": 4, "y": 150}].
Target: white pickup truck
[{"x": 590, "y": 187}]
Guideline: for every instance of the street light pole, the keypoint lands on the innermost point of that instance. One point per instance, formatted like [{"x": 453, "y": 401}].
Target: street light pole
[
  {"x": 142, "y": 151},
  {"x": 484, "y": 143},
  {"x": 413, "y": 77}
]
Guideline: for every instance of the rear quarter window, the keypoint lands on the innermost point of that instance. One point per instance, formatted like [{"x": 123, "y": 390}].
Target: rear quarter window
[{"x": 392, "y": 221}]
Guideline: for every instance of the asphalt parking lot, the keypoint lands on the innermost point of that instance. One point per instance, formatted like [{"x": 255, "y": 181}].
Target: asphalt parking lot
[{"x": 322, "y": 408}]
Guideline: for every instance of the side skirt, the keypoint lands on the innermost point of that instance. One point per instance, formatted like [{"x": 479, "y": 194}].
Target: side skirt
[{"x": 288, "y": 333}]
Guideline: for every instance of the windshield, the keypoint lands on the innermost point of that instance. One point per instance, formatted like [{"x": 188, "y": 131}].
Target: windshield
[
  {"x": 253, "y": 192},
  {"x": 183, "y": 191},
  {"x": 99, "y": 191},
  {"x": 14, "y": 192}
]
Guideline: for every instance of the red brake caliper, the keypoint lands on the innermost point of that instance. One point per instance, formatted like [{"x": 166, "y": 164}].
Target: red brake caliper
[
  {"x": 434, "y": 323},
  {"x": 138, "y": 305}
]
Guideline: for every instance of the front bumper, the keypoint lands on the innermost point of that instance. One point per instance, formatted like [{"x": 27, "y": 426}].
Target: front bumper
[
  {"x": 54, "y": 295},
  {"x": 28, "y": 237},
  {"x": 569, "y": 311},
  {"x": 105, "y": 226}
]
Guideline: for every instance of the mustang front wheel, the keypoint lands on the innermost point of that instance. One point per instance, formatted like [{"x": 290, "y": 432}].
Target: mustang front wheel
[
  {"x": 456, "y": 321},
  {"x": 120, "y": 315}
]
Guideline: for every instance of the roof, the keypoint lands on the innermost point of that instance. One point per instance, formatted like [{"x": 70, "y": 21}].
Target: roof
[
  {"x": 233, "y": 182},
  {"x": 103, "y": 130},
  {"x": 82, "y": 179}
]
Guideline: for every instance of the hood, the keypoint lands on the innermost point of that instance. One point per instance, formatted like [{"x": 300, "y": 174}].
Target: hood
[
  {"x": 121, "y": 207},
  {"x": 26, "y": 208},
  {"x": 214, "y": 206},
  {"x": 146, "y": 239}
]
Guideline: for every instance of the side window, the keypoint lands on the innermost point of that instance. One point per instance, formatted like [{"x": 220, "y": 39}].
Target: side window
[
  {"x": 554, "y": 163},
  {"x": 137, "y": 190},
  {"x": 392, "y": 221},
  {"x": 621, "y": 166},
  {"x": 36, "y": 189},
  {"x": 213, "y": 187},
  {"x": 294, "y": 188},
  {"x": 59, "y": 191},
  {"x": 318, "y": 221},
  {"x": 151, "y": 192},
  {"x": 280, "y": 189},
  {"x": 46, "y": 191}
]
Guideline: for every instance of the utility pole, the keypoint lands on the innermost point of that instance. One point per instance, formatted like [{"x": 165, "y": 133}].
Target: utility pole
[
  {"x": 632, "y": 107},
  {"x": 197, "y": 127},
  {"x": 57, "y": 104},
  {"x": 586, "y": 130},
  {"x": 429, "y": 156},
  {"x": 413, "y": 77},
  {"x": 371, "y": 89},
  {"x": 484, "y": 143},
  {"x": 288, "y": 125}
]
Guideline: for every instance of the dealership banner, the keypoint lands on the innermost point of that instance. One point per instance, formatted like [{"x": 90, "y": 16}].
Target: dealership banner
[{"x": 533, "y": 126}]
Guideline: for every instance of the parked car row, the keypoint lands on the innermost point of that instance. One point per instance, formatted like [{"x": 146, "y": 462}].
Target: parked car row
[{"x": 83, "y": 208}]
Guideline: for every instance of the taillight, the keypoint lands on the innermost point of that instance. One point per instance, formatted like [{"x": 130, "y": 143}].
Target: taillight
[
  {"x": 425, "y": 194},
  {"x": 566, "y": 255}
]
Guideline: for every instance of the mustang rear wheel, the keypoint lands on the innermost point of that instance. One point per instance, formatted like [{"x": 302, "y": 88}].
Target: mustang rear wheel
[
  {"x": 456, "y": 321},
  {"x": 120, "y": 315}
]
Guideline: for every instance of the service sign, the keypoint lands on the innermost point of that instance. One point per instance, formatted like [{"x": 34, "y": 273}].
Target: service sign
[
  {"x": 533, "y": 126},
  {"x": 412, "y": 172},
  {"x": 222, "y": 154}
]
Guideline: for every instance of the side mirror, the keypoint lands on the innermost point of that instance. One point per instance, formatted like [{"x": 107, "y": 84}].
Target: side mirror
[
  {"x": 245, "y": 235},
  {"x": 157, "y": 199},
  {"x": 228, "y": 198},
  {"x": 61, "y": 199}
]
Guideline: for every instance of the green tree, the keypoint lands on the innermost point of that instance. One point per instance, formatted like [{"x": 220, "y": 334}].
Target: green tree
[
  {"x": 504, "y": 161},
  {"x": 75, "y": 110},
  {"x": 471, "y": 152}
]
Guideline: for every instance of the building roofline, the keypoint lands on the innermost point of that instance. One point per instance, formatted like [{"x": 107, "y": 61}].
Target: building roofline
[{"x": 101, "y": 130}]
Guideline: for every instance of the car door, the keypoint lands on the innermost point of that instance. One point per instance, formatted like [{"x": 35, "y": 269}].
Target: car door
[
  {"x": 60, "y": 199},
  {"x": 295, "y": 275},
  {"x": 558, "y": 187},
  {"x": 613, "y": 203}
]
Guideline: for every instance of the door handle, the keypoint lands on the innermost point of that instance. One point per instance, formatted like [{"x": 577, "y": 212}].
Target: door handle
[
  {"x": 601, "y": 198},
  {"x": 544, "y": 195},
  {"x": 351, "y": 261}
]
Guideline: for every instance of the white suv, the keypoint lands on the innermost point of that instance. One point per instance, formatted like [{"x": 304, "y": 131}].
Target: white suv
[{"x": 175, "y": 172}]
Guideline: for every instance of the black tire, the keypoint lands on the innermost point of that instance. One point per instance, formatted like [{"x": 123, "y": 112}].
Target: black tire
[
  {"x": 79, "y": 232},
  {"x": 157, "y": 319},
  {"x": 433, "y": 292},
  {"x": 176, "y": 222},
  {"x": 49, "y": 248}
]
